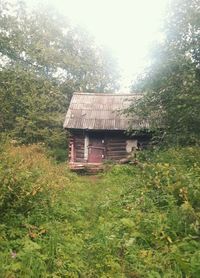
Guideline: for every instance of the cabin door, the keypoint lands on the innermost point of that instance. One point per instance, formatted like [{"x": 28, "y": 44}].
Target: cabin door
[{"x": 95, "y": 150}]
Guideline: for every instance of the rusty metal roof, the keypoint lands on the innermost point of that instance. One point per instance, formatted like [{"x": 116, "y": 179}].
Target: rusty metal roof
[{"x": 101, "y": 112}]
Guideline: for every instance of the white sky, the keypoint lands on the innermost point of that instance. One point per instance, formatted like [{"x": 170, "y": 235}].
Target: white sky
[{"x": 126, "y": 27}]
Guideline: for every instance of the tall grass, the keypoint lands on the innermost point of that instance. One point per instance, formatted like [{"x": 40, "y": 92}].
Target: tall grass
[{"x": 129, "y": 222}]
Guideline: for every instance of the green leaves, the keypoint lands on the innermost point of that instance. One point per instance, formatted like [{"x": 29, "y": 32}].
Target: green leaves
[
  {"x": 43, "y": 60},
  {"x": 172, "y": 80}
]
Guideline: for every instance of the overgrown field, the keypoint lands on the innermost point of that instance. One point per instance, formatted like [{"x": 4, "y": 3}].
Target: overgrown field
[{"x": 132, "y": 221}]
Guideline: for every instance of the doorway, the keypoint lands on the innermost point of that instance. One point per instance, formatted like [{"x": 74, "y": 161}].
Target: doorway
[{"x": 96, "y": 150}]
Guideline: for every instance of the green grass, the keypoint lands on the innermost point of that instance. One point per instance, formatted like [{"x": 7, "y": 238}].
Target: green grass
[{"x": 131, "y": 221}]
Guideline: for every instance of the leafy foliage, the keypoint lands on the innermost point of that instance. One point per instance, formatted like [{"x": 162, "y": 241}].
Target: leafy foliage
[
  {"x": 171, "y": 83},
  {"x": 43, "y": 59},
  {"x": 128, "y": 222}
]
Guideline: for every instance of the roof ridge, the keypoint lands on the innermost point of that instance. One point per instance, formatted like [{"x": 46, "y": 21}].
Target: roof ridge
[{"x": 107, "y": 94}]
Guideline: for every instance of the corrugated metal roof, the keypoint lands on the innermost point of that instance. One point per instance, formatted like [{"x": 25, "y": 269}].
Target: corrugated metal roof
[{"x": 100, "y": 112}]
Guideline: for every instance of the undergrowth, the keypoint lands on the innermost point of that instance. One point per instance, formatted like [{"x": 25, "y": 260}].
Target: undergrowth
[{"x": 132, "y": 221}]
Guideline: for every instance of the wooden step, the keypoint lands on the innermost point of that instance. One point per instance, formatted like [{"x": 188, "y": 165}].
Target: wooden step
[{"x": 88, "y": 168}]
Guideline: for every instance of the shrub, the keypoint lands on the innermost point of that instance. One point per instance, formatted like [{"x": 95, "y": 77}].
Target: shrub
[{"x": 28, "y": 179}]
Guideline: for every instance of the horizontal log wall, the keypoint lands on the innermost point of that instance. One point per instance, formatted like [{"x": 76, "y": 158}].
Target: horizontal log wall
[
  {"x": 77, "y": 139},
  {"x": 71, "y": 143},
  {"x": 115, "y": 147},
  {"x": 115, "y": 144},
  {"x": 79, "y": 147}
]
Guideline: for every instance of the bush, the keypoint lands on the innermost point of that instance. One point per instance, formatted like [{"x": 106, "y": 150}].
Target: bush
[{"x": 28, "y": 179}]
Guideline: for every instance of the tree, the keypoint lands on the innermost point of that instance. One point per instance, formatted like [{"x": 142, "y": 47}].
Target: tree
[
  {"x": 43, "y": 60},
  {"x": 171, "y": 84},
  {"x": 44, "y": 42}
]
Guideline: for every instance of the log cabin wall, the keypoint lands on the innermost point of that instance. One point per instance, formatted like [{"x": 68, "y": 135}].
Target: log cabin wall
[
  {"x": 115, "y": 147},
  {"x": 79, "y": 148},
  {"x": 114, "y": 143},
  {"x": 76, "y": 146},
  {"x": 71, "y": 148}
]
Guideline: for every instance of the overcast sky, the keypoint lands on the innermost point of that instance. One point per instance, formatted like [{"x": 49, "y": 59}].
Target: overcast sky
[{"x": 126, "y": 27}]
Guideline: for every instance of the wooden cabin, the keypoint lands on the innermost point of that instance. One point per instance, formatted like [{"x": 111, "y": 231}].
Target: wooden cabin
[{"x": 98, "y": 129}]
